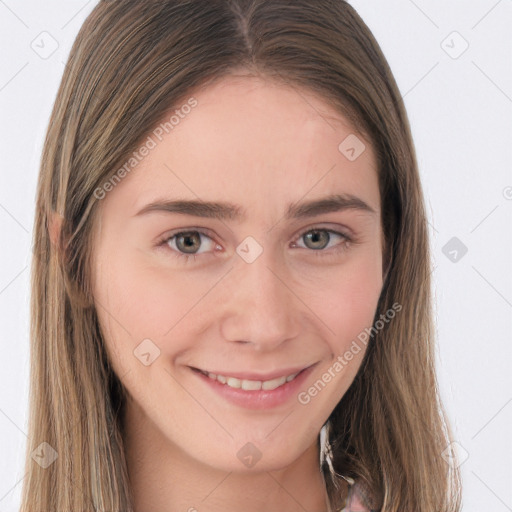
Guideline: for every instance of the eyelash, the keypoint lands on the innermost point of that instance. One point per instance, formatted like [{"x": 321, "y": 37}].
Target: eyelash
[{"x": 322, "y": 253}]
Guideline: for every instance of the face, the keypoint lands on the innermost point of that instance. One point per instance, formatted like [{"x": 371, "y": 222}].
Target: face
[{"x": 272, "y": 283}]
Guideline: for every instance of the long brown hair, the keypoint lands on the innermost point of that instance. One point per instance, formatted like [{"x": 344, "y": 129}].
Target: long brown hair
[{"x": 131, "y": 64}]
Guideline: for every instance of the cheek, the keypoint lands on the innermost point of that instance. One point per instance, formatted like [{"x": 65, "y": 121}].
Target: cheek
[
  {"x": 136, "y": 301},
  {"x": 347, "y": 301}
]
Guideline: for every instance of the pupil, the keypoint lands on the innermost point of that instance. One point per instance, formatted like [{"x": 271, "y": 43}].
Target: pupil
[
  {"x": 188, "y": 244},
  {"x": 316, "y": 235}
]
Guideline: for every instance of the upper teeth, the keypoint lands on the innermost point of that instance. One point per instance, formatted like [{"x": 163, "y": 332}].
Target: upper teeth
[{"x": 252, "y": 385}]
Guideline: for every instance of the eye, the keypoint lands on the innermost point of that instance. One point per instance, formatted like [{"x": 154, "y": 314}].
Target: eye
[
  {"x": 187, "y": 244},
  {"x": 317, "y": 239}
]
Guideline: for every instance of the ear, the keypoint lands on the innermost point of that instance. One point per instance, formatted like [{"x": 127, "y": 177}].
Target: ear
[{"x": 54, "y": 227}]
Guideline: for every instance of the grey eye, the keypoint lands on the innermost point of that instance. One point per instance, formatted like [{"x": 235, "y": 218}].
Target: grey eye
[{"x": 317, "y": 239}]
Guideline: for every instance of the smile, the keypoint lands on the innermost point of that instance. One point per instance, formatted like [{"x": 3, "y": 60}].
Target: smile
[
  {"x": 257, "y": 390},
  {"x": 251, "y": 385}
]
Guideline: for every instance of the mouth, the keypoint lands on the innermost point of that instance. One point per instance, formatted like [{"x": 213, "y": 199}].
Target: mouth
[
  {"x": 256, "y": 391},
  {"x": 251, "y": 384}
]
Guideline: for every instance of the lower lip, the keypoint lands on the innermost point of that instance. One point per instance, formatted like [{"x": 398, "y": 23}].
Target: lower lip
[{"x": 258, "y": 399}]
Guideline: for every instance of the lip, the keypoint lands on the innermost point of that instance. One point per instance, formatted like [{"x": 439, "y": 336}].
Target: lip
[{"x": 258, "y": 399}]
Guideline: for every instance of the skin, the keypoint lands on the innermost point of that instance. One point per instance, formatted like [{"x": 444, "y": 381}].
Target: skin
[{"x": 262, "y": 146}]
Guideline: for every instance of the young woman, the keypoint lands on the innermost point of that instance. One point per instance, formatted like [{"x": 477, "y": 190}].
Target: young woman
[{"x": 231, "y": 279}]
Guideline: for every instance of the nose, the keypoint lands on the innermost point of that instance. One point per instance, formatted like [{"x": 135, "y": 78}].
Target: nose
[{"x": 261, "y": 308}]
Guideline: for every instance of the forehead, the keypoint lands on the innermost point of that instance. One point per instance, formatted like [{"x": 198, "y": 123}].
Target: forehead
[{"x": 256, "y": 143}]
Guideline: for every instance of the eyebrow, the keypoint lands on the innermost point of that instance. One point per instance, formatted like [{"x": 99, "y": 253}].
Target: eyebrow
[{"x": 229, "y": 211}]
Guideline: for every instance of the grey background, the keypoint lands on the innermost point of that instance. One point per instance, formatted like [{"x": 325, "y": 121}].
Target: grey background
[{"x": 459, "y": 101}]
